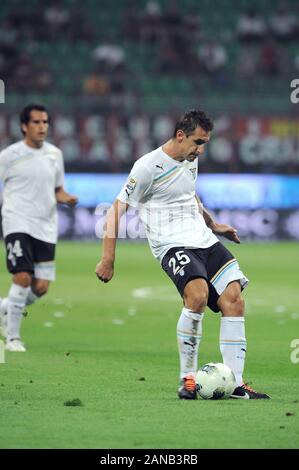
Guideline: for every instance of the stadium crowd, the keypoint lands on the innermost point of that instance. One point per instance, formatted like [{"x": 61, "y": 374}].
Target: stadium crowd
[{"x": 132, "y": 59}]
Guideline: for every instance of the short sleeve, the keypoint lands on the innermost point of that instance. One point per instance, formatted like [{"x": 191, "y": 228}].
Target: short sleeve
[
  {"x": 137, "y": 185},
  {"x": 59, "y": 182},
  {"x": 3, "y": 165}
]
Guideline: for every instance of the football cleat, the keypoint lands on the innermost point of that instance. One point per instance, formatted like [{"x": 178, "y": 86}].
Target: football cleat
[
  {"x": 187, "y": 390},
  {"x": 247, "y": 393},
  {"x": 15, "y": 345}
]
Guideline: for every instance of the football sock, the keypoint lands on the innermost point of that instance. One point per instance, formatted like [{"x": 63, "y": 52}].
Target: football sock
[
  {"x": 3, "y": 305},
  {"x": 233, "y": 345},
  {"x": 31, "y": 297},
  {"x": 16, "y": 302},
  {"x": 189, "y": 331}
]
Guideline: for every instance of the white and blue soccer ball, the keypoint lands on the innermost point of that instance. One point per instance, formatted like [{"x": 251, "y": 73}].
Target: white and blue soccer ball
[{"x": 215, "y": 381}]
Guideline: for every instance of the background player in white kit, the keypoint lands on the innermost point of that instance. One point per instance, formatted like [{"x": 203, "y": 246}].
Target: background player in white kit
[
  {"x": 32, "y": 173},
  {"x": 181, "y": 234}
]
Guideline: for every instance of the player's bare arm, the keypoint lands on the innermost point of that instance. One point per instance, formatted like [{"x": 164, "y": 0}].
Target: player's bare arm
[
  {"x": 219, "y": 229},
  {"x": 65, "y": 198},
  {"x": 105, "y": 268}
]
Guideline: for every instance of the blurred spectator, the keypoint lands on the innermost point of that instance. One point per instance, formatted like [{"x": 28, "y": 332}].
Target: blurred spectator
[
  {"x": 123, "y": 147},
  {"x": 109, "y": 55},
  {"x": 9, "y": 49},
  {"x": 29, "y": 22},
  {"x": 70, "y": 148},
  {"x": 131, "y": 21},
  {"x": 173, "y": 28},
  {"x": 162, "y": 127},
  {"x": 192, "y": 26},
  {"x": 57, "y": 19},
  {"x": 118, "y": 82},
  {"x": 150, "y": 23},
  {"x": 172, "y": 19},
  {"x": 152, "y": 9},
  {"x": 8, "y": 35},
  {"x": 139, "y": 126},
  {"x": 24, "y": 74},
  {"x": 81, "y": 27},
  {"x": 271, "y": 58},
  {"x": 283, "y": 23},
  {"x": 168, "y": 59},
  {"x": 93, "y": 126},
  {"x": 251, "y": 27},
  {"x": 64, "y": 126},
  {"x": 43, "y": 80},
  {"x": 247, "y": 64},
  {"x": 213, "y": 59},
  {"x": 96, "y": 85}
]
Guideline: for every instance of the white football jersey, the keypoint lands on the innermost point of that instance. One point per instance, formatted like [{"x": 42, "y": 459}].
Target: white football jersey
[
  {"x": 164, "y": 191},
  {"x": 29, "y": 178}
]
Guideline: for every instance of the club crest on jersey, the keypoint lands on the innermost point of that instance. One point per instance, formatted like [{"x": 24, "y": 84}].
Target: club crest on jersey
[{"x": 130, "y": 186}]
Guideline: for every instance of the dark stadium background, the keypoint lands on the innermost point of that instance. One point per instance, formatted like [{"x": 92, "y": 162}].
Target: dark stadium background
[{"x": 115, "y": 74}]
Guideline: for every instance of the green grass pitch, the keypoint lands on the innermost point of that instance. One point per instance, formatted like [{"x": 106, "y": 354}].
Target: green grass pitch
[{"x": 113, "y": 347}]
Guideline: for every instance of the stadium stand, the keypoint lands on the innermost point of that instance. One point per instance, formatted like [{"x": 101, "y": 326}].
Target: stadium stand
[{"x": 112, "y": 63}]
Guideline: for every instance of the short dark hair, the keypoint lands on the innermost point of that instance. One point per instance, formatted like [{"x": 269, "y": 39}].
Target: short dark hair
[
  {"x": 191, "y": 120},
  {"x": 25, "y": 113}
]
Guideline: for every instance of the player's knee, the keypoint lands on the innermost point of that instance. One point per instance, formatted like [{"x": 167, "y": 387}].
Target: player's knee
[
  {"x": 22, "y": 279},
  {"x": 196, "y": 300},
  {"x": 238, "y": 305},
  {"x": 235, "y": 306},
  {"x": 40, "y": 287}
]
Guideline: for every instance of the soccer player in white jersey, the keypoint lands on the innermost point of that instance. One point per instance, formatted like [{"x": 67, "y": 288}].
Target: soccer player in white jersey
[
  {"x": 32, "y": 173},
  {"x": 183, "y": 237}
]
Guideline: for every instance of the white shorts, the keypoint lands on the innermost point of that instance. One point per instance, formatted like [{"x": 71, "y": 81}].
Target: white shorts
[
  {"x": 228, "y": 273},
  {"x": 45, "y": 270}
]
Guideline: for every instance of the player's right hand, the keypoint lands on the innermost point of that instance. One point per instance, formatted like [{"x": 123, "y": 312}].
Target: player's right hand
[{"x": 104, "y": 270}]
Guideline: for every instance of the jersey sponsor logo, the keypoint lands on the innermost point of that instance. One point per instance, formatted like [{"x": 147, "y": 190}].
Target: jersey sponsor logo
[{"x": 130, "y": 186}]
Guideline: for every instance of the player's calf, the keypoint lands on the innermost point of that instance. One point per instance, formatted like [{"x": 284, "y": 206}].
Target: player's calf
[{"x": 39, "y": 287}]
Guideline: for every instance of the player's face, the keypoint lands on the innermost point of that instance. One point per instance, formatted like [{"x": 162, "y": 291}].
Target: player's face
[
  {"x": 194, "y": 145},
  {"x": 37, "y": 128}
]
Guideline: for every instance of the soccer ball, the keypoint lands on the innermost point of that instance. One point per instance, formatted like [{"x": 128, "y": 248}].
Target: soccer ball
[{"x": 215, "y": 381}]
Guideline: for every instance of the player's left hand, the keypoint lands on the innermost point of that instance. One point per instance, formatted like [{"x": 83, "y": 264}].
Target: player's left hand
[
  {"x": 72, "y": 200},
  {"x": 227, "y": 231}
]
